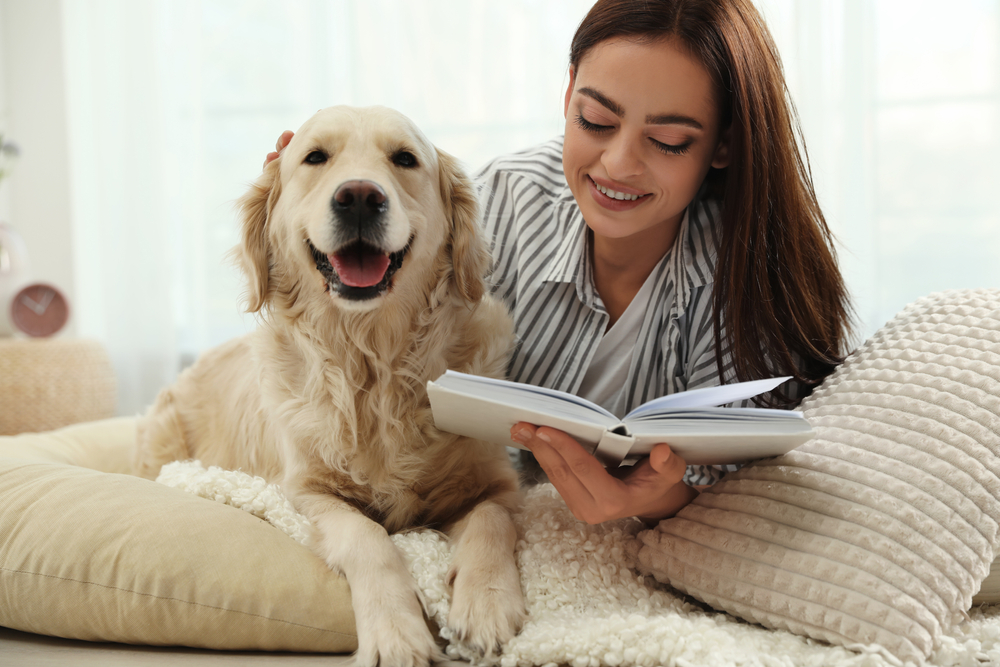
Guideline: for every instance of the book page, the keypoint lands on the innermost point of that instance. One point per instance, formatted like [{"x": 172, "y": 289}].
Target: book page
[
  {"x": 741, "y": 415},
  {"x": 707, "y": 397},
  {"x": 527, "y": 395}
]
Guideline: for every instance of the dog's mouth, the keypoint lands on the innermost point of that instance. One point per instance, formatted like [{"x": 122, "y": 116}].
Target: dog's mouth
[{"x": 359, "y": 270}]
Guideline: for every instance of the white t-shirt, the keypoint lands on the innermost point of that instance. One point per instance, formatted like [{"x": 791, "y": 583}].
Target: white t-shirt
[{"x": 606, "y": 377}]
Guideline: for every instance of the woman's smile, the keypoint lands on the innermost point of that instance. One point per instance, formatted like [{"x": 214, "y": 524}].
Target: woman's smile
[{"x": 616, "y": 197}]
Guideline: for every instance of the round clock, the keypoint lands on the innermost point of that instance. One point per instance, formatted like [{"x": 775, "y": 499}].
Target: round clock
[{"x": 39, "y": 310}]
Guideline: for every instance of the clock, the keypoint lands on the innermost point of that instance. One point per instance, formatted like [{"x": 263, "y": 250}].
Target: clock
[{"x": 39, "y": 310}]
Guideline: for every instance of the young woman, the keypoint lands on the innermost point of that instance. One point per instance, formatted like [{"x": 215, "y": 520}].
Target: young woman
[{"x": 670, "y": 240}]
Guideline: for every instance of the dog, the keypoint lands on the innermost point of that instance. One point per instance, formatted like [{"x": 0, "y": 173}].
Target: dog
[{"x": 365, "y": 262}]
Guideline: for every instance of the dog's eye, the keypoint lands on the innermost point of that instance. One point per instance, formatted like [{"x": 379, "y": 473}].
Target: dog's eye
[
  {"x": 316, "y": 157},
  {"x": 404, "y": 159}
]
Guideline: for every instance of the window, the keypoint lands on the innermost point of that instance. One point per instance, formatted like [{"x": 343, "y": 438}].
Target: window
[{"x": 174, "y": 103}]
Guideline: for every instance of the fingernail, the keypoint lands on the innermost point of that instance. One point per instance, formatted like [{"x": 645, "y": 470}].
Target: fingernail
[
  {"x": 521, "y": 435},
  {"x": 544, "y": 437}
]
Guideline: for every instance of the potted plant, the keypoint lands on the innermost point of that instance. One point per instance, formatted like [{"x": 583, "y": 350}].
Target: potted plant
[{"x": 14, "y": 265}]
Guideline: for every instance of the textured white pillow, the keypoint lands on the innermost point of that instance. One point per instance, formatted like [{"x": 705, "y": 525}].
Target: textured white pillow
[{"x": 881, "y": 529}]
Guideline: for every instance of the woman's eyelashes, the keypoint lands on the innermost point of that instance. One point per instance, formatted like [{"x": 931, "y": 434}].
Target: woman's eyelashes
[
  {"x": 667, "y": 149},
  {"x": 592, "y": 127},
  {"x": 671, "y": 149}
]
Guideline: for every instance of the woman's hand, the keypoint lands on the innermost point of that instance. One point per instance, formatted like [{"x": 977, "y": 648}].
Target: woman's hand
[
  {"x": 651, "y": 490},
  {"x": 279, "y": 146}
]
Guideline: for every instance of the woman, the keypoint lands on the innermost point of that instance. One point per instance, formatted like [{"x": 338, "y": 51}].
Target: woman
[{"x": 670, "y": 240}]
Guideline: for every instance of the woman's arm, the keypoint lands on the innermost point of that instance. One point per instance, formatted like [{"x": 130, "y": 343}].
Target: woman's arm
[{"x": 651, "y": 490}]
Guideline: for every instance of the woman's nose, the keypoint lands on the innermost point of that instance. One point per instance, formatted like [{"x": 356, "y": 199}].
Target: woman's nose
[{"x": 621, "y": 158}]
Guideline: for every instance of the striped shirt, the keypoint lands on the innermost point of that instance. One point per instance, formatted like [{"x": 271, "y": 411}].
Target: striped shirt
[{"x": 543, "y": 272}]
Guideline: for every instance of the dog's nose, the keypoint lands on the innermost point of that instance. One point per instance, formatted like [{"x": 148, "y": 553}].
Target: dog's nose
[{"x": 360, "y": 199}]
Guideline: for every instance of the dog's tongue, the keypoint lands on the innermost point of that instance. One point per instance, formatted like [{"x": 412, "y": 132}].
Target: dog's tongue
[{"x": 359, "y": 268}]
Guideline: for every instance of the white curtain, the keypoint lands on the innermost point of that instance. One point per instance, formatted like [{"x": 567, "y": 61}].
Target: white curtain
[
  {"x": 900, "y": 104},
  {"x": 173, "y": 104}
]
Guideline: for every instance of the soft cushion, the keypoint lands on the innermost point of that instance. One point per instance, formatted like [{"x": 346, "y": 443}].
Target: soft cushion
[
  {"x": 585, "y": 605},
  {"x": 882, "y": 528},
  {"x": 86, "y": 554}
]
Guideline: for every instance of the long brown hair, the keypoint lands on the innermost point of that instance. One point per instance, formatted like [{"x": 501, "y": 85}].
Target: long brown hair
[{"x": 778, "y": 295}]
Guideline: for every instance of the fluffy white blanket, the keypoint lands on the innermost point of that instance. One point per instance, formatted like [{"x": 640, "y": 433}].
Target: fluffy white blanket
[{"x": 586, "y": 605}]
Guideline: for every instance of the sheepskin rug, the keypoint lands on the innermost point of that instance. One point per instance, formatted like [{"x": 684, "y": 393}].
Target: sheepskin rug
[{"x": 586, "y": 605}]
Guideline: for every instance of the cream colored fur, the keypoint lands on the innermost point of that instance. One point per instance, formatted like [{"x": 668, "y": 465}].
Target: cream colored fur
[{"x": 328, "y": 395}]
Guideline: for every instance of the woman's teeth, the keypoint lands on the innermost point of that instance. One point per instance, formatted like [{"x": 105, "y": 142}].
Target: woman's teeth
[{"x": 615, "y": 195}]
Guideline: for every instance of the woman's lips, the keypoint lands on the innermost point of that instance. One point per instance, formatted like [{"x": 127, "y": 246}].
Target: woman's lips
[{"x": 612, "y": 203}]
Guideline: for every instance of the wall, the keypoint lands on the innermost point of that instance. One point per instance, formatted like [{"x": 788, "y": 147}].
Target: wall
[
  {"x": 4, "y": 114},
  {"x": 36, "y": 197}
]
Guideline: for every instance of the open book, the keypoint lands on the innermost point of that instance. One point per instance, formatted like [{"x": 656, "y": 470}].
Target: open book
[{"x": 485, "y": 409}]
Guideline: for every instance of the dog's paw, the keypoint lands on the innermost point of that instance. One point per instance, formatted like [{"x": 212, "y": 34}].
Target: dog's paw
[
  {"x": 395, "y": 637},
  {"x": 487, "y": 606}
]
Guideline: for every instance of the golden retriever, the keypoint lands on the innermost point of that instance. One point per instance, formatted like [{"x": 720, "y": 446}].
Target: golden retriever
[{"x": 362, "y": 250}]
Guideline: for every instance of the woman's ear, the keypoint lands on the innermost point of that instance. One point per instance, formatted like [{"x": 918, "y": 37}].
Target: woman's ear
[
  {"x": 720, "y": 159},
  {"x": 253, "y": 254},
  {"x": 569, "y": 90},
  {"x": 469, "y": 258}
]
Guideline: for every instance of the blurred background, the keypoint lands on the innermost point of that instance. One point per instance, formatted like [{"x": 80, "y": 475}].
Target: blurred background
[{"x": 140, "y": 122}]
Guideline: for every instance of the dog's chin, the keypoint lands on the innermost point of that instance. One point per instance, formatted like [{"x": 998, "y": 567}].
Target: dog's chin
[{"x": 359, "y": 292}]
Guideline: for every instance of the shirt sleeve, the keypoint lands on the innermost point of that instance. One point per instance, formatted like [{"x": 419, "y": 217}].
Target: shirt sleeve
[{"x": 496, "y": 201}]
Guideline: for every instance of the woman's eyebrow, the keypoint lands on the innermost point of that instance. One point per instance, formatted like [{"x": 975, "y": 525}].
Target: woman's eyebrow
[
  {"x": 674, "y": 119},
  {"x": 660, "y": 119},
  {"x": 604, "y": 101}
]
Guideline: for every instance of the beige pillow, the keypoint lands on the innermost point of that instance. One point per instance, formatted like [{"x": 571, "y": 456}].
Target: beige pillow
[
  {"x": 101, "y": 556},
  {"x": 881, "y": 529}
]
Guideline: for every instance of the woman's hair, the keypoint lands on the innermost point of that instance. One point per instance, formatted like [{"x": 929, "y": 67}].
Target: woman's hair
[{"x": 779, "y": 295}]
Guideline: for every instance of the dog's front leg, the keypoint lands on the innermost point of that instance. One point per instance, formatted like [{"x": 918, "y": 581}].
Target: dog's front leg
[
  {"x": 390, "y": 620},
  {"x": 487, "y": 606}
]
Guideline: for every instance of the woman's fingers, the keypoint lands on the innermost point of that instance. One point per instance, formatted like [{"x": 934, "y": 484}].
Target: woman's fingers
[
  {"x": 651, "y": 489},
  {"x": 547, "y": 445},
  {"x": 283, "y": 140},
  {"x": 666, "y": 463},
  {"x": 571, "y": 462},
  {"x": 279, "y": 146},
  {"x": 590, "y": 492}
]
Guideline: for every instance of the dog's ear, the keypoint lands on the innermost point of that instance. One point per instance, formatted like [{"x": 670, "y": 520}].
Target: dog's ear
[
  {"x": 253, "y": 254},
  {"x": 469, "y": 257}
]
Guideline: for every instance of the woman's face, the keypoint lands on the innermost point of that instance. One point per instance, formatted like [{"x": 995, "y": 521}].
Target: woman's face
[{"x": 642, "y": 130}]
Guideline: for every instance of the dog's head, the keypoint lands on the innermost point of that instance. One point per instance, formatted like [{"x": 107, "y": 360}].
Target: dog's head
[{"x": 359, "y": 210}]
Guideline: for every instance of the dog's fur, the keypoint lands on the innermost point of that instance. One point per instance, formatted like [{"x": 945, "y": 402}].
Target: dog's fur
[{"x": 328, "y": 395}]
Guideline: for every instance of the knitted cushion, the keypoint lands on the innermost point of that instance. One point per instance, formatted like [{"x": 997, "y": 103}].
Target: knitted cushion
[
  {"x": 48, "y": 383},
  {"x": 881, "y": 529}
]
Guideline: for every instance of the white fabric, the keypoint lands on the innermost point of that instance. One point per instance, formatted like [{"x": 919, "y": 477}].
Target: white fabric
[
  {"x": 604, "y": 381},
  {"x": 587, "y": 607},
  {"x": 250, "y": 494}
]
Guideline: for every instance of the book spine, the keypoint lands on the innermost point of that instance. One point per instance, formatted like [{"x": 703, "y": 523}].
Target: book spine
[{"x": 613, "y": 448}]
